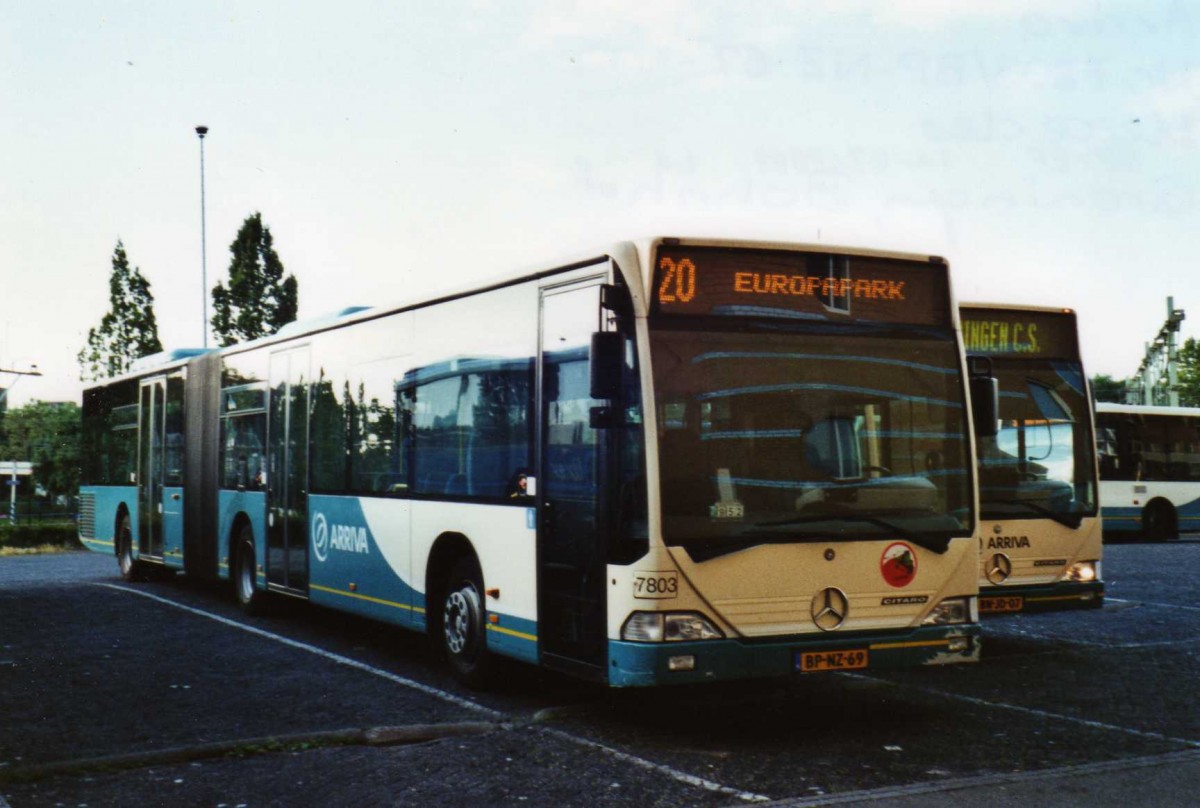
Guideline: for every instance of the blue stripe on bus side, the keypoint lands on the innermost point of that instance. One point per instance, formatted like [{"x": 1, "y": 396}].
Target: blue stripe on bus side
[
  {"x": 347, "y": 568},
  {"x": 349, "y": 571},
  {"x": 1126, "y": 517},
  {"x": 513, "y": 636}
]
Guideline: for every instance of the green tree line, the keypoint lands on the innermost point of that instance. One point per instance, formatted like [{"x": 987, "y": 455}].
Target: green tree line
[
  {"x": 256, "y": 300},
  {"x": 1106, "y": 388},
  {"x": 47, "y": 435}
]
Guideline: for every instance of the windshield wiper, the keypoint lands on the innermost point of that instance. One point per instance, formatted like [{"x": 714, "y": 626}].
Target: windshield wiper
[
  {"x": 937, "y": 544},
  {"x": 1071, "y": 520}
]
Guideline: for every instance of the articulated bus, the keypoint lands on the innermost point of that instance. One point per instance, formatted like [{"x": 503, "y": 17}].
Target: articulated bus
[
  {"x": 1149, "y": 469},
  {"x": 671, "y": 461},
  {"x": 1041, "y": 543}
]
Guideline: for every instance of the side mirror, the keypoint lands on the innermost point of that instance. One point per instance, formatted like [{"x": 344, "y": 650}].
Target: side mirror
[
  {"x": 616, "y": 299},
  {"x": 606, "y": 361},
  {"x": 984, "y": 392}
]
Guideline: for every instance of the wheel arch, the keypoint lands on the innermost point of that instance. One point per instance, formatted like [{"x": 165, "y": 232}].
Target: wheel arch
[
  {"x": 1169, "y": 528},
  {"x": 446, "y": 551},
  {"x": 240, "y": 520},
  {"x": 122, "y": 512}
]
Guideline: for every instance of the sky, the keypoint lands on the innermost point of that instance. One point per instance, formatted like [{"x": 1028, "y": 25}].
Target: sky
[{"x": 1050, "y": 149}]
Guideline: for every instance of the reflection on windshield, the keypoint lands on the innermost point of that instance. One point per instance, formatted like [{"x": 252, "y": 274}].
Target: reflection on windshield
[
  {"x": 785, "y": 435},
  {"x": 1041, "y": 462}
]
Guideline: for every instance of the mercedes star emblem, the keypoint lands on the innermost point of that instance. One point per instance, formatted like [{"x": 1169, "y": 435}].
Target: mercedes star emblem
[
  {"x": 998, "y": 568},
  {"x": 829, "y": 608}
]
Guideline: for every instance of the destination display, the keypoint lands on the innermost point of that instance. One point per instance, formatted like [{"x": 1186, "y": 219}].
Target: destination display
[
  {"x": 722, "y": 281},
  {"x": 1016, "y": 332}
]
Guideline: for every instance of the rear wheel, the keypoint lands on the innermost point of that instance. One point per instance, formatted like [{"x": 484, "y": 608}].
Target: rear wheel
[
  {"x": 245, "y": 576},
  {"x": 464, "y": 625},
  {"x": 1159, "y": 522},
  {"x": 131, "y": 570}
]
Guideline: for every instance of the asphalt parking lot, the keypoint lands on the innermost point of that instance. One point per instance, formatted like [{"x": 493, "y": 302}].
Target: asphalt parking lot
[{"x": 164, "y": 694}]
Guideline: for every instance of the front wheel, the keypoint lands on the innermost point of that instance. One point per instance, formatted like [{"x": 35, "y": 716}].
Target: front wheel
[
  {"x": 1159, "y": 522},
  {"x": 464, "y": 621}
]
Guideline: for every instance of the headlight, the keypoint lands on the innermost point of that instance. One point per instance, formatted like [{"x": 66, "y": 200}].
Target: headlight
[
  {"x": 951, "y": 611},
  {"x": 1083, "y": 572},
  {"x": 669, "y": 627}
]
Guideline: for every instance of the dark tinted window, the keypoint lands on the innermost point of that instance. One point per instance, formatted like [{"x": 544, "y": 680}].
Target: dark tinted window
[
  {"x": 243, "y": 451},
  {"x": 470, "y": 432},
  {"x": 110, "y": 434}
]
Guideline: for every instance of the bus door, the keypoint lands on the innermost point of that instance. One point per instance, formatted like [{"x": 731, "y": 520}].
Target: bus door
[
  {"x": 287, "y": 471},
  {"x": 571, "y": 555},
  {"x": 172, "y": 460},
  {"x": 151, "y": 449}
]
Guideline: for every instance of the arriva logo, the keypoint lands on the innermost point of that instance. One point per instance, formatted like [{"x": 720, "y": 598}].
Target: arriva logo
[{"x": 345, "y": 538}]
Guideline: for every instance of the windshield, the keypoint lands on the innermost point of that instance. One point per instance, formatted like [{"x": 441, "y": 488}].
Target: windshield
[
  {"x": 795, "y": 434},
  {"x": 1041, "y": 464}
]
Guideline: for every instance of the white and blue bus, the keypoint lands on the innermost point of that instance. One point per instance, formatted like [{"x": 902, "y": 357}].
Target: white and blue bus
[
  {"x": 1149, "y": 469},
  {"x": 671, "y": 461},
  {"x": 1041, "y": 545}
]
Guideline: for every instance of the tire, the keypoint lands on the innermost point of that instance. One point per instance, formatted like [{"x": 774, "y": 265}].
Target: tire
[
  {"x": 1159, "y": 522},
  {"x": 250, "y": 598},
  {"x": 131, "y": 570},
  {"x": 463, "y": 625}
]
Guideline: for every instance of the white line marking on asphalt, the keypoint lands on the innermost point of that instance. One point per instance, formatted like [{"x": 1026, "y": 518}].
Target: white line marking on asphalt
[
  {"x": 989, "y": 781},
  {"x": 674, "y": 774},
  {"x": 1133, "y": 646},
  {"x": 312, "y": 649},
  {"x": 1071, "y": 642},
  {"x": 1153, "y": 603},
  {"x": 1087, "y": 722}
]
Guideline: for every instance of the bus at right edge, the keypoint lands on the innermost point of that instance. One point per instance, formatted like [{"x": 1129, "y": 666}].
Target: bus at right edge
[
  {"x": 1149, "y": 470},
  {"x": 1040, "y": 534}
]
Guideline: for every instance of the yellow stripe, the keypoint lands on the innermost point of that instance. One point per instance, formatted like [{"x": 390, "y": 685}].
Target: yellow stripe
[
  {"x": 915, "y": 644},
  {"x": 97, "y": 541},
  {"x": 1045, "y": 598},
  {"x": 511, "y": 633},
  {"x": 357, "y": 596}
]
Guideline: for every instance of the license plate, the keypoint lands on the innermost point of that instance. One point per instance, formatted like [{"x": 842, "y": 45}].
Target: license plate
[
  {"x": 994, "y": 605},
  {"x": 814, "y": 661}
]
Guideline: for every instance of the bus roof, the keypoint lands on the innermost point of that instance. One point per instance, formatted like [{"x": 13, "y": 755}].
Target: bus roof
[
  {"x": 1017, "y": 307},
  {"x": 1146, "y": 409}
]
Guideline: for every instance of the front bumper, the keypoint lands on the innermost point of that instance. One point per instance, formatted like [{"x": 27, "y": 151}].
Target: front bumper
[
  {"x": 1044, "y": 598},
  {"x": 632, "y": 664}
]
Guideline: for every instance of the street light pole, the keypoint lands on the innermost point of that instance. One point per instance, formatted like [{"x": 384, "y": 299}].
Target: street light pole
[
  {"x": 33, "y": 371},
  {"x": 202, "y": 131}
]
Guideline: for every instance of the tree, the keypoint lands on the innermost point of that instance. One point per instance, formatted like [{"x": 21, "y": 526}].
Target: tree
[
  {"x": 258, "y": 300},
  {"x": 48, "y": 435},
  {"x": 1106, "y": 388},
  {"x": 129, "y": 330},
  {"x": 1189, "y": 373}
]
